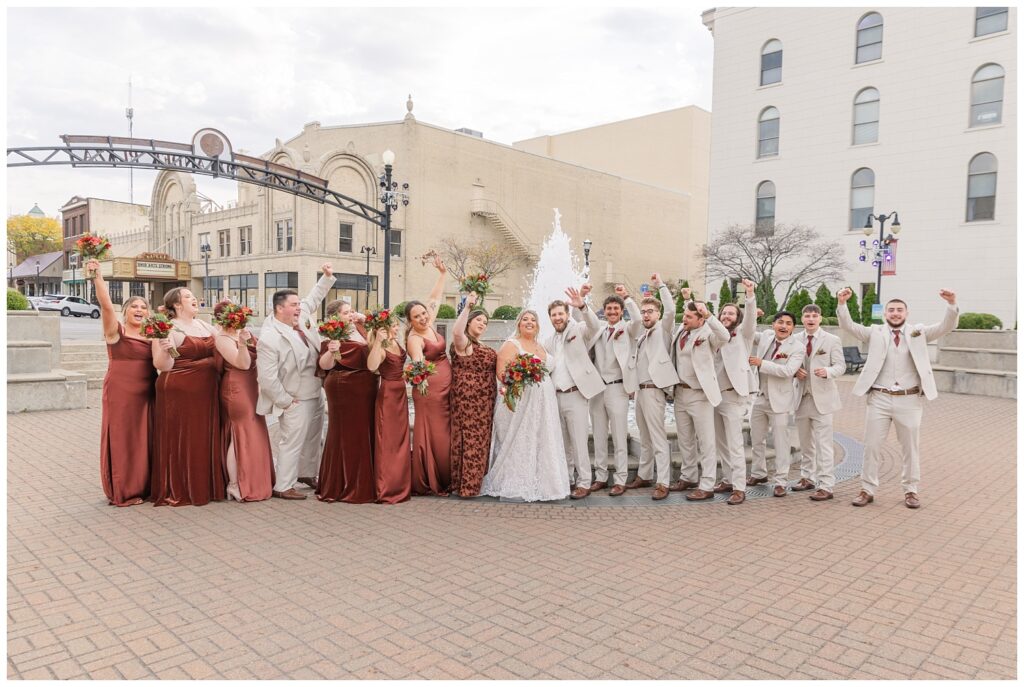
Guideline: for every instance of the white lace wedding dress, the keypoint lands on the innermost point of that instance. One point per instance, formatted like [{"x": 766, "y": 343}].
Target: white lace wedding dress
[{"x": 527, "y": 454}]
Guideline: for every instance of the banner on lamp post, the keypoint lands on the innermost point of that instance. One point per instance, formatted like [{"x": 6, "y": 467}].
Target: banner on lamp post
[{"x": 889, "y": 260}]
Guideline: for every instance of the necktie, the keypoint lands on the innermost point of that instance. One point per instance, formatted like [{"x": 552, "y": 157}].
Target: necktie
[
  {"x": 611, "y": 330},
  {"x": 777, "y": 345},
  {"x": 897, "y": 333},
  {"x": 302, "y": 335},
  {"x": 682, "y": 341},
  {"x": 810, "y": 339}
]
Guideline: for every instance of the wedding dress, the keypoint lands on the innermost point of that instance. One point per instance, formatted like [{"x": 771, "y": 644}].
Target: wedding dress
[{"x": 527, "y": 454}]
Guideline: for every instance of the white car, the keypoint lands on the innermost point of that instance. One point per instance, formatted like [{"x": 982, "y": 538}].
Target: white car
[{"x": 70, "y": 305}]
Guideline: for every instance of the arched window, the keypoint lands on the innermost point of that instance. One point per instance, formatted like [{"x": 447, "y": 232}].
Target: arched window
[
  {"x": 869, "y": 38},
  {"x": 771, "y": 62},
  {"x": 981, "y": 187},
  {"x": 768, "y": 133},
  {"x": 765, "y": 215},
  {"x": 987, "y": 95},
  {"x": 865, "y": 116},
  {"x": 862, "y": 197},
  {"x": 989, "y": 20}
]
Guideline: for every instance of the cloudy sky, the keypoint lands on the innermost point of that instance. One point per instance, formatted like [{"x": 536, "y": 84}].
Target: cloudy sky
[{"x": 260, "y": 74}]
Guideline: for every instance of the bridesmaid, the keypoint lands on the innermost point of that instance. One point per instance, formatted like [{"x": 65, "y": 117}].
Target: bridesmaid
[
  {"x": 346, "y": 467},
  {"x": 128, "y": 392},
  {"x": 188, "y": 454},
  {"x": 392, "y": 466},
  {"x": 431, "y": 436},
  {"x": 474, "y": 369},
  {"x": 247, "y": 454}
]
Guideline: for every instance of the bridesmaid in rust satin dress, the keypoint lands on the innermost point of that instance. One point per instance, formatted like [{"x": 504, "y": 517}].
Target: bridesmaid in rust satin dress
[
  {"x": 432, "y": 428},
  {"x": 248, "y": 458},
  {"x": 128, "y": 397},
  {"x": 188, "y": 453},
  {"x": 392, "y": 466},
  {"x": 346, "y": 466}
]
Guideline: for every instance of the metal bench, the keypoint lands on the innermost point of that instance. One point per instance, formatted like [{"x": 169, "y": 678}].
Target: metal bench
[{"x": 854, "y": 360}]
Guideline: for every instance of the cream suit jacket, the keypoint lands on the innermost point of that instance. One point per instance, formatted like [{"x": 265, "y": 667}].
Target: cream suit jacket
[
  {"x": 827, "y": 353},
  {"x": 576, "y": 355},
  {"x": 776, "y": 375},
  {"x": 623, "y": 334},
  {"x": 712, "y": 335},
  {"x": 736, "y": 352},
  {"x": 658, "y": 338}
]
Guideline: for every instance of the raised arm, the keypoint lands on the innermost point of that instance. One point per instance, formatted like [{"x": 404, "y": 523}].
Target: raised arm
[
  {"x": 748, "y": 328},
  {"x": 434, "y": 300},
  {"x": 459, "y": 337},
  {"x": 846, "y": 323},
  {"x": 266, "y": 373},
  {"x": 949, "y": 320},
  {"x": 786, "y": 368},
  {"x": 110, "y": 334},
  {"x": 376, "y": 354},
  {"x": 719, "y": 334},
  {"x": 668, "y": 306},
  {"x": 320, "y": 289},
  {"x": 415, "y": 344}
]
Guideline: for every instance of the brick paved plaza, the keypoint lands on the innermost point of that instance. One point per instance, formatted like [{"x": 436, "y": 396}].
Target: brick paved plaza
[{"x": 775, "y": 588}]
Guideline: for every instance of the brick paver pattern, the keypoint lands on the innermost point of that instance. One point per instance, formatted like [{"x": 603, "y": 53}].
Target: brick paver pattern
[{"x": 443, "y": 588}]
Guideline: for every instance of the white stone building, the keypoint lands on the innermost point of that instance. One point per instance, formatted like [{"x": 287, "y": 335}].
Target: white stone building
[{"x": 823, "y": 116}]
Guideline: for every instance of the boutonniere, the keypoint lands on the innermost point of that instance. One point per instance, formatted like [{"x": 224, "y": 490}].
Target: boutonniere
[
  {"x": 732, "y": 335},
  {"x": 780, "y": 356},
  {"x": 618, "y": 334},
  {"x": 821, "y": 351},
  {"x": 698, "y": 342},
  {"x": 571, "y": 339},
  {"x": 916, "y": 332},
  {"x": 309, "y": 324}
]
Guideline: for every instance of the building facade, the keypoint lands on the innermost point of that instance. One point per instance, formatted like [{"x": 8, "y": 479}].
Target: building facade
[{"x": 825, "y": 116}]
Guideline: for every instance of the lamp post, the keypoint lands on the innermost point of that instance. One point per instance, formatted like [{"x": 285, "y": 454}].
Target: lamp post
[
  {"x": 879, "y": 252},
  {"x": 36, "y": 285},
  {"x": 369, "y": 250},
  {"x": 587, "y": 245},
  {"x": 389, "y": 198},
  {"x": 73, "y": 259},
  {"x": 204, "y": 251}
]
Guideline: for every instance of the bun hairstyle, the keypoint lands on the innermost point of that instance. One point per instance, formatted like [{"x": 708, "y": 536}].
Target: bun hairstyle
[
  {"x": 334, "y": 307},
  {"x": 171, "y": 299}
]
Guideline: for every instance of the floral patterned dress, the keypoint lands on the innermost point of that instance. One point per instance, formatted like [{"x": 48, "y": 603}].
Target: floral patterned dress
[{"x": 474, "y": 389}]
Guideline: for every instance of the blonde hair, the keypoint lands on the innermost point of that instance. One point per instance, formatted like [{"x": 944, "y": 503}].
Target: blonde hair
[
  {"x": 519, "y": 319},
  {"x": 128, "y": 303}
]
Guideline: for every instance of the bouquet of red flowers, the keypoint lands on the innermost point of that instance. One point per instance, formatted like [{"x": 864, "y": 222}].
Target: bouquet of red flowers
[
  {"x": 524, "y": 370},
  {"x": 91, "y": 247},
  {"x": 335, "y": 329},
  {"x": 158, "y": 327},
  {"x": 480, "y": 284},
  {"x": 417, "y": 372},
  {"x": 233, "y": 316},
  {"x": 380, "y": 321}
]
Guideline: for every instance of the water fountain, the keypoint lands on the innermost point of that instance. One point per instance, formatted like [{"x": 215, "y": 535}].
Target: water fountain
[{"x": 557, "y": 269}]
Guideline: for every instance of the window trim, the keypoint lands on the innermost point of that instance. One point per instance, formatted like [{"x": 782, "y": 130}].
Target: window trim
[
  {"x": 760, "y": 61},
  {"x": 995, "y": 189},
  {"x": 350, "y": 238},
  {"x": 970, "y": 100},
  {"x": 778, "y": 135},
  {"x": 757, "y": 198},
  {"x": 856, "y": 42},
  {"x": 877, "y": 122},
  {"x": 851, "y": 208},
  {"x": 1005, "y": 12}
]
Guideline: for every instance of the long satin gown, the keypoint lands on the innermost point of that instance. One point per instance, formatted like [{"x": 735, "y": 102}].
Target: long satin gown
[
  {"x": 346, "y": 467},
  {"x": 474, "y": 390},
  {"x": 188, "y": 454},
  {"x": 246, "y": 430},
  {"x": 432, "y": 427},
  {"x": 126, "y": 434},
  {"x": 392, "y": 459}
]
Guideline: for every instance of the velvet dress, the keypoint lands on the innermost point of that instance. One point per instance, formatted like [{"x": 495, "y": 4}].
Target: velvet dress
[
  {"x": 432, "y": 427},
  {"x": 246, "y": 430}
]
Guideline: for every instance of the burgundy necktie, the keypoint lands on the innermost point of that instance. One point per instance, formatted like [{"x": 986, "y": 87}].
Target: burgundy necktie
[
  {"x": 302, "y": 335},
  {"x": 777, "y": 345},
  {"x": 682, "y": 341},
  {"x": 897, "y": 332},
  {"x": 809, "y": 347},
  {"x": 611, "y": 330}
]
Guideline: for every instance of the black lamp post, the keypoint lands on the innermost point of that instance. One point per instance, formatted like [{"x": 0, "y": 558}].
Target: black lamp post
[
  {"x": 369, "y": 250},
  {"x": 389, "y": 198},
  {"x": 204, "y": 251},
  {"x": 880, "y": 249},
  {"x": 73, "y": 259},
  {"x": 36, "y": 286}
]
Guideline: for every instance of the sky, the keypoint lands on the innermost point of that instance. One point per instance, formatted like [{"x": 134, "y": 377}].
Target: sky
[{"x": 260, "y": 74}]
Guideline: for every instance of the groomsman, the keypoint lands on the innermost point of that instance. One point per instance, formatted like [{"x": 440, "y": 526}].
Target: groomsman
[
  {"x": 895, "y": 376},
  {"x": 611, "y": 354},
  {"x": 576, "y": 381},
  {"x": 818, "y": 399},
  {"x": 736, "y": 382},
  {"x": 778, "y": 359},
  {"x": 696, "y": 395},
  {"x": 649, "y": 375},
  {"x": 288, "y": 348}
]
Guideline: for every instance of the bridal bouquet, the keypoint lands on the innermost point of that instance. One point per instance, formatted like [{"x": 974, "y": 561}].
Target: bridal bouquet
[
  {"x": 380, "y": 321},
  {"x": 480, "y": 284},
  {"x": 91, "y": 247},
  {"x": 335, "y": 329},
  {"x": 159, "y": 327},
  {"x": 524, "y": 370},
  {"x": 417, "y": 373},
  {"x": 233, "y": 316}
]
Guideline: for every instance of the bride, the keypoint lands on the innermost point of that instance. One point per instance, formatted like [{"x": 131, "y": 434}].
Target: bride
[{"x": 527, "y": 455}]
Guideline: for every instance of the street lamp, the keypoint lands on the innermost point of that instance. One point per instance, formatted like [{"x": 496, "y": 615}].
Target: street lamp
[
  {"x": 73, "y": 259},
  {"x": 587, "y": 244},
  {"x": 389, "y": 198},
  {"x": 204, "y": 251},
  {"x": 369, "y": 250},
  {"x": 36, "y": 285},
  {"x": 880, "y": 251}
]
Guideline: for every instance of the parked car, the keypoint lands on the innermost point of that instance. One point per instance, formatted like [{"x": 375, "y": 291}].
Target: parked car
[{"x": 69, "y": 305}]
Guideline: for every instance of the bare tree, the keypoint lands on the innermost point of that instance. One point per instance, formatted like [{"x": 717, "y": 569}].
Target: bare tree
[
  {"x": 793, "y": 256},
  {"x": 455, "y": 255},
  {"x": 494, "y": 258},
  {"x": 461, "y": 259}
]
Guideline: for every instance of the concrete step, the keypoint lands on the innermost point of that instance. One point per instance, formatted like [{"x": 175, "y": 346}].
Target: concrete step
[
  {"x": 85, "y": 346},
  {"x": 978, "y": 358},
  {"x": 85, "y": 365},
  {"x": 980, "y": 338},
  {"x": 29, "y": 356},
  {"x": 54, "y": 390},
  {"x": 995, "y": 383},
  {"x": 73, "y": 355}
]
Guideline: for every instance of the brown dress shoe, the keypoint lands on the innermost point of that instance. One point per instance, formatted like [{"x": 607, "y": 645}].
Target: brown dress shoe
[
  {"x": 803, "y": 485},
  {"x": 821, "y": 495},
  {"x": 660, "y": 492},
  {"x": 736, "y": 498},
  {"x": 617, "y": 490},
  {"x": 910, "y": 498},
  {"x": 778, "y": 491},
  {"x": 597, "y": 486},
  {"x": 682, "y": 485},
  {"x": 579, "y": 493},
  {"x": 863, "y": 499},
  {"x": 754, "y": 481},
  {"x": 722, "y": 487},
  {"x": 638, "y": 483},
  {"x": 700, "y": 495},
  {"x": 311, "y": 482},
  {"x": 291, "y": 495}
]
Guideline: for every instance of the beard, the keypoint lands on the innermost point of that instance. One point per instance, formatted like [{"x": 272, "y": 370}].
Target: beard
[
  {"x": 562, "y": 328},
  {"x": 895, "y": 324}
]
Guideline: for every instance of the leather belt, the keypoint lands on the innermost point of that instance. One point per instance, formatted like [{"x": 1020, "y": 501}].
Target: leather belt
[
  {"x": 685, "y": 385},
  {"x": 567, "y": 391},
  {"x": 907, "y": 392},
  {"x": 729, "y": 389},
  {"x": 617, "y": 381},
  {"x": 649, "y": 386}
]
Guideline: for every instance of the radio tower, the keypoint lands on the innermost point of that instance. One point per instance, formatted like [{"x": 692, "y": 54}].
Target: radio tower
[{"x": 130, "y": 113}]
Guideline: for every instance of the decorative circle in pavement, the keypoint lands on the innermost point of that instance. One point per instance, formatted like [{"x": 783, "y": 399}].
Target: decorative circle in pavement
[{"x": 850, "y": 467}]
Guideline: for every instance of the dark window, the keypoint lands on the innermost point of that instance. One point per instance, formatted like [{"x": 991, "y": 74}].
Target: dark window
[
  {"x": 771, "y": 62},
  {"x": 345, "y": 238},
  {"x": 764, "y": 223},
  {"x": 862, "y": 197},
  {"x": 981, "y": 187},
  {"x": 396, "y": 243}
]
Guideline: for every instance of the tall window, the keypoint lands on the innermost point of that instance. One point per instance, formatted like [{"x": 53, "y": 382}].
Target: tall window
[
  {"x": 204, "y": 240},
  {"x": 285, "y": 236},
  {"x": 768, "y": 133},
  {"x": 981, "y": 187},
  {"x": 865, "y": 117},
  {"x": 396, "y": 243},
  {"x": 245, "y": 240},
  {"x": 224, "y": 243},
  {"x": 116, "y": 291},
  {"x": 211, "y": 290},
  {"x": 869, "y": 38},
  {"x": 765, "y": 214},
  {"x": 344, "y": 238},
  {"x": 862, "y": 197},
  {"x": 987, "y": 95},
  {"x": 989, "y": 20},
  {"x": 244, "y": 290},
  {"x": 275, "y": 281},
  {"x": 137, "y": 288},
  {"x": 771, "y": 62}
]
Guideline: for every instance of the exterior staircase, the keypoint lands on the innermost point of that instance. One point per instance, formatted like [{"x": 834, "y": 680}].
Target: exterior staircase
[
  {"x": 510, "y": 231},
  {"x": 88, "y": 358},
  {"x": 977, "y": 362},
  {"x": 35, "y": 378}
]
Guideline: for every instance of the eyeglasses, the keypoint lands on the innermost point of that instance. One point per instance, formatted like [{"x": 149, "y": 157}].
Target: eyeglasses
[{"x": 648, "y": 311}]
